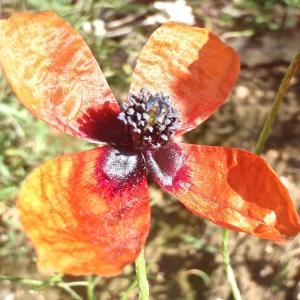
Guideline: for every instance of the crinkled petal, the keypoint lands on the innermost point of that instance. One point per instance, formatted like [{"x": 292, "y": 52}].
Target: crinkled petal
[
  {"x": 191, "y": 65},
  {"x": 230, "y": 187},
  {"x": 87, "y": 213},
  {"x": 54, "y": 74}
]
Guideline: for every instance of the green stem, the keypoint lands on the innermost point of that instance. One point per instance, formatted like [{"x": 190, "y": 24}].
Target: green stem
[
  {"x": 53, "y": 281},
  {"x": 64, "y": 286},
  {"x": 126, "y": 294},
  {"x": 284, "y": 85},
  {"x": 30, "y": 282},
  {"x": 141, "y": 277},
  {"x": 77, "y": 283},
  {"x": 229, "y": 271},
  {"x": 90, "y": 288}
]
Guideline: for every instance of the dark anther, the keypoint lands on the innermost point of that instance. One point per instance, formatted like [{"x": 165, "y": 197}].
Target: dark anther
[{"x": 151, "y": 119}]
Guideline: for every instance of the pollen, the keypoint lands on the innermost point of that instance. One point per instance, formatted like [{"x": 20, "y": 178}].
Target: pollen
[{"x": 151, "y": 119}]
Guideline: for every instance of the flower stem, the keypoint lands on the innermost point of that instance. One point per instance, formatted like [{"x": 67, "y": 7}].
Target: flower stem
[
  {"x": 90, "y": 287},
  {"x": 141, "y": 277},
  {"x": 284, "y": 85},
  {"x": 229, "y": 271}
]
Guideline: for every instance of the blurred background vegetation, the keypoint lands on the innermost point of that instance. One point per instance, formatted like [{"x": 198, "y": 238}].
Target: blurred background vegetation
[{"x": 183, "y": 251}]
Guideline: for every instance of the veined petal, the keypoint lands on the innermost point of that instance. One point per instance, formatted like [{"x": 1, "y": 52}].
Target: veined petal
[
  {"x": 53, "y": 73},
  {"x": 192, "y": 66},
  {"x": 230, "y": 187},
  {"x": 87, "y": 213}
]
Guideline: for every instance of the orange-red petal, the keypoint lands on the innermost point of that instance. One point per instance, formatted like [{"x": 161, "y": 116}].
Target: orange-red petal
[
  {"x": 87, "y": 212},
  {"x": 191, "y": 65},
  {"x": 230, "y": 187},
  {"x": 53, "y": 71}
]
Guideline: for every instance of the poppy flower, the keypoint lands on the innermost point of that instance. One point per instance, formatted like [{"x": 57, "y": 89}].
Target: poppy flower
[{"x": 89, "y": 212}]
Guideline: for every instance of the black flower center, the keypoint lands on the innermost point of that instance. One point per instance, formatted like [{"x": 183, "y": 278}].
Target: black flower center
[{"x": 151, "y": 119}]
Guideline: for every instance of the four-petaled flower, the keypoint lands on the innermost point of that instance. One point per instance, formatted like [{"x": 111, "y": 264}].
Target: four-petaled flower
[{"x": 89, "y": 212}]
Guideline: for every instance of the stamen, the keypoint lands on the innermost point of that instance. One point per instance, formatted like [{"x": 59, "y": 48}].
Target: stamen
[{"x": 151, "y": 119}]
